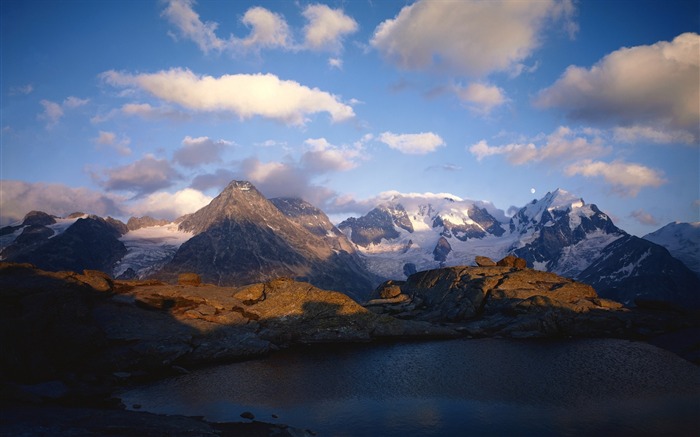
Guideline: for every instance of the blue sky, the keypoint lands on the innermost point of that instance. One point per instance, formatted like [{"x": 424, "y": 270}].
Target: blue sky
[{"x": 136, "y": 107}]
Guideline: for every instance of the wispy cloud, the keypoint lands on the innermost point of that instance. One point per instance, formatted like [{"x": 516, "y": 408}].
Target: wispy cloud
[
  {"x": 53, "y": 112},
  {"x": 626, "y": 179},
  {"x": 564, "y": 144},
  {"x": 644, "y": 217},
  {"x": 21, "y": 90},
  {"x": 121, "y": 145}
]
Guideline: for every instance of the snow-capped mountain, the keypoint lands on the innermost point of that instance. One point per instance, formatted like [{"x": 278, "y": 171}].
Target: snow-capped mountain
[
  {"x": 242, "y": 237},
  {"x": 682, "y": 240},
  {"x": 407, "y": 229},
  {"x": 559, "y": 233}
]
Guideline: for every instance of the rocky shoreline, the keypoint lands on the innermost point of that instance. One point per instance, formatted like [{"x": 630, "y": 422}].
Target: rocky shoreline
[{"x": 70, "y": 340}]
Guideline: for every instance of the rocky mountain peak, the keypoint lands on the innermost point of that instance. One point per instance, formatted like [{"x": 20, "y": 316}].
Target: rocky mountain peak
[{"x": 240, "y": 201}]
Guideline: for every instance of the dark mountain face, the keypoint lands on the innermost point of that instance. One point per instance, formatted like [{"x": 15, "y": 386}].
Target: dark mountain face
[
  {"x": 89, "y": 243},
  {"x": 632, "y": 269},
  {"x": 241, "y": 237}
]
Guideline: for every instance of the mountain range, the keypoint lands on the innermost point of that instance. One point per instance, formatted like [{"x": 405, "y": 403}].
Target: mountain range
[{"x": 241, "y": 237}]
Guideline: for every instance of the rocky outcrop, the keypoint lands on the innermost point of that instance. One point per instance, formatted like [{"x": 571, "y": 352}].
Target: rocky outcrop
[
  {"x": 57, "y": 323},
  {"x": 511, "y": 300}
]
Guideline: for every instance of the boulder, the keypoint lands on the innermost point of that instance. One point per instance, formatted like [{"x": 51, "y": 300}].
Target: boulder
[
  {"x": 388, "y": 289},
  {"x": 484, "y": 261},
  {"x": 513, "y": 262}
]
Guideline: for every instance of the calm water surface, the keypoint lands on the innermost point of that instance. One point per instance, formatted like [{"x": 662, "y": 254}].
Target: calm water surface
[{"x": 456, "y": 387}]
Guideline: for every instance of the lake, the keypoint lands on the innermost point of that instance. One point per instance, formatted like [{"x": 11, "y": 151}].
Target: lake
[{"x": 455, "y": 387}]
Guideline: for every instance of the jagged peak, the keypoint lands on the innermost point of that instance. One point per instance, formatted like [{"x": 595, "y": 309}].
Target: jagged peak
[{"x": 562, "y": 199}]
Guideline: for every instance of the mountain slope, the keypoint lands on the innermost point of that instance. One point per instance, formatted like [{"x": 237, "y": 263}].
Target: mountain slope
[
  {"x": 632, "y": 269},
  {"x": 241, "y": 237},
  {"x": 682, "y": 240}
]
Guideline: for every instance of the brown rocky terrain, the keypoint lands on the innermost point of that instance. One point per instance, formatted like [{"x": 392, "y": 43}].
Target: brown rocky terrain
[{"x": 71, "y": 339}]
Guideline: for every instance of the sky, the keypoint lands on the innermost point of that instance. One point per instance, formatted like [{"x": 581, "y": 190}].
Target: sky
[{"x": 131, "y": 108}]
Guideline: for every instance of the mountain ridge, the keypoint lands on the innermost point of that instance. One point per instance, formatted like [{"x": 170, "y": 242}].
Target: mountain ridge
[{"x": 243, "y": 237}]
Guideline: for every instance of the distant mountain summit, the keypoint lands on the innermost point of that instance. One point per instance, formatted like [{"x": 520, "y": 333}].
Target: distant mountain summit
[
  {"x": 559, "y": 233},
  {"x": 241, "y": 238},
  {"x": 682, "y": 240}
]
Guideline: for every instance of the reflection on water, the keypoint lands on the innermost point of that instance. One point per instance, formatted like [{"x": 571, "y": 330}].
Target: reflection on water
[{"x": 452, "y": 387}]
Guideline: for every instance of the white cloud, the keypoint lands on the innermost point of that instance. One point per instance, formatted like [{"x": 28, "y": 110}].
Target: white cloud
[
  {"x": 199, "y": 151},
  {"x": 268, "y": 30},
  {"x": 19, "y": 197},
  {"x": 468, "y": 37},
  {"x": 170, "y": 205},
  {"x": 654, "y": 84},
  {"x": 324, "y": 31},
  {"x": 482, "y": 98},
  {"x": 110, "y": 139},
  {"x": 142, "y": 177},
  {"x": 245, "y": 95},
  {"x": 415, "y": 144},
  {"x": 626, "y": 178},
  {"x": 644, "y": 217},
  {"x": 564, "y": 144},
  {"x": 637, "y": 134},
  {"x": 326, "y": 27}
]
